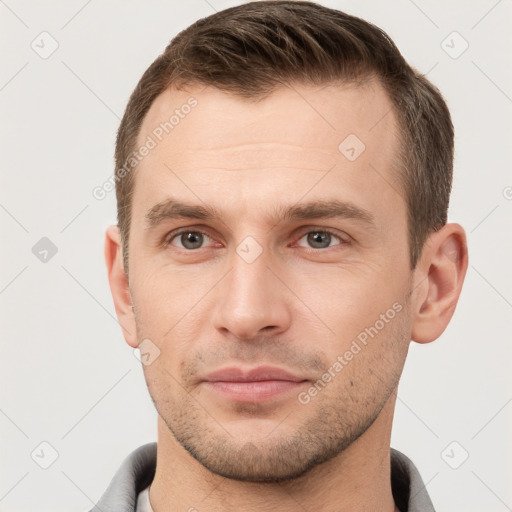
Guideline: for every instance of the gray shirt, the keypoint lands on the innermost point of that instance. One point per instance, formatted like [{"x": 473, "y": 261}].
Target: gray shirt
[{"x": 130, "y": 483}]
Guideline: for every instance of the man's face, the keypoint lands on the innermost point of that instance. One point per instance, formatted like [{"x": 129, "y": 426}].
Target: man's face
[{"x": 253, "y": 288}]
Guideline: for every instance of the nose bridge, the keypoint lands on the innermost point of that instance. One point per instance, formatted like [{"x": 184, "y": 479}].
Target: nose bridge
[
  {"x": 250, "y": 274},
  {"x": 251, "y": 298}
]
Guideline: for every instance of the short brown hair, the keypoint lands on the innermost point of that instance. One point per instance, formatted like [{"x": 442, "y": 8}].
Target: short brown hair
[{"x": 251, "y": 49}]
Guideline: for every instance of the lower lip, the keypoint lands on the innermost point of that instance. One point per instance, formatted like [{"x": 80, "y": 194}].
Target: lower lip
[{"x": 254, "y": 391}]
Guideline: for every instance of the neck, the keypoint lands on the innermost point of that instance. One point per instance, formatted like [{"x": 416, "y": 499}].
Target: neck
[{"x": 356, "y": 479}]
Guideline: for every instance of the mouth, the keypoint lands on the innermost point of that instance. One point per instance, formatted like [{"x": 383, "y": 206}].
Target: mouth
[{"x": 254, "y": 385}]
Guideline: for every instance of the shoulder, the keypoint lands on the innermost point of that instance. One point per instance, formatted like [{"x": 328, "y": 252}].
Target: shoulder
[
  {"x": 409, "y": 491},
  {"x": 135, "y": 474}
]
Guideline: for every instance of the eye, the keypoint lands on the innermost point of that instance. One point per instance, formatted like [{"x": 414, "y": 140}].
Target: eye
[
  {"x": 191, "y": 240},
  {"x": 320, "y": 239},
  {"x": 188, "y": 239}
]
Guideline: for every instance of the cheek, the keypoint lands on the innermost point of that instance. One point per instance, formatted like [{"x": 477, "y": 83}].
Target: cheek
[
  {"x": 370, "y": 325},
  {"x": 164, "y": 295},
  {"x": 348, "y": 299},
  {"x": 169, "y": 315},
  {"x": 370, "y": 361}
]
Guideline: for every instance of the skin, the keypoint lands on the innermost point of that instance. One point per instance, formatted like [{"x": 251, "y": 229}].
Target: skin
[{"x": 292, "y": 307}]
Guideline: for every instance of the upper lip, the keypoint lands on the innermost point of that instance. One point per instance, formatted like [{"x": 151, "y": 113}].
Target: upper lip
[{"x": 236, "y": 374}]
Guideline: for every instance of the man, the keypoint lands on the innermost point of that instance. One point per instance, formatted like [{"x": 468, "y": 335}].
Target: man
[{"x": 282, "y": 180}]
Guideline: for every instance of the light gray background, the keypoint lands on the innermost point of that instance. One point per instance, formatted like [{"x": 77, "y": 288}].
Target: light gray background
[{"x": 67, "y": 376}]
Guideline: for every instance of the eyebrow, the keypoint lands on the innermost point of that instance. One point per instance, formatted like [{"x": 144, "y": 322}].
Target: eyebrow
[{"x": 172, "y": 208}]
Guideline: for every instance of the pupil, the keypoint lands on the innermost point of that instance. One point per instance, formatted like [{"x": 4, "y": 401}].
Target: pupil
[
  {"x": 191, "y": 240},
  {"x": 317, "y": 236}
]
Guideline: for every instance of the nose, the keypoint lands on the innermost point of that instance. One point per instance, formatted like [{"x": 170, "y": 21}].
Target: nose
[{"x": 251, "y": 300}]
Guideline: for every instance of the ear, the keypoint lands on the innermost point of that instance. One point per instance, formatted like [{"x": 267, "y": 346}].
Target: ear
[
  {"x": 119, "y": 285},
  {"x": 438, "y": 279}
]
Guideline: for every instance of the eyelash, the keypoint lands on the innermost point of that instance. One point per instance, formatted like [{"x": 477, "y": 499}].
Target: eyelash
[{"x": 171, "y": 236}]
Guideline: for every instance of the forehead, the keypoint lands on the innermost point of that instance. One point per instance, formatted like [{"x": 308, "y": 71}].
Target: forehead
[
  {"x": 205, "y": 141},
  {"x": 206, "y": 118}
]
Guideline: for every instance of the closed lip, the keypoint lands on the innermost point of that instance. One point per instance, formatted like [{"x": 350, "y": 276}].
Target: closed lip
[{"x": 260, "y": 373}]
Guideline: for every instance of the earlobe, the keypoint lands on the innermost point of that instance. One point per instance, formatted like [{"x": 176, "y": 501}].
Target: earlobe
[
  {"x": 439, "y": 277},
  {"x": 119, "y": 285}
]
